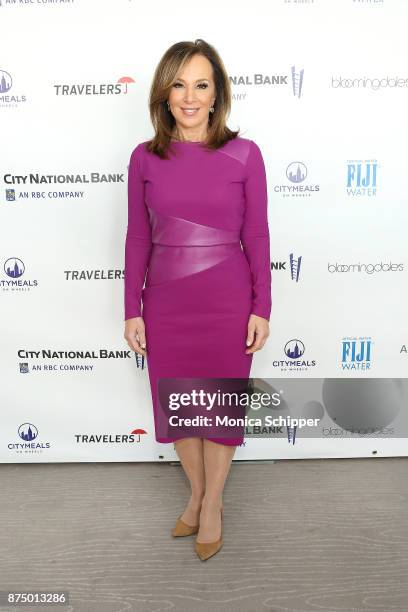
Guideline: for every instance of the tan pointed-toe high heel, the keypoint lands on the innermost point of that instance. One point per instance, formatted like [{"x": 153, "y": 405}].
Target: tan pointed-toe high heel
[
  {"x": 205, "y": 550},
  {"x": 182, "y": 529}
]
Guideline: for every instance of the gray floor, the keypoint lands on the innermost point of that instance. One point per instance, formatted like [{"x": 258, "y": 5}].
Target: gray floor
[{"x": 299, "y": 535}]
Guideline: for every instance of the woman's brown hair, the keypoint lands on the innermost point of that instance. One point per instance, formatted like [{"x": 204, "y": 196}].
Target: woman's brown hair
[{"x": 165, "y": 74}]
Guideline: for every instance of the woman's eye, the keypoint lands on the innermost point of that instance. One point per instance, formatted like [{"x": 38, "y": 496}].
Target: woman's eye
[{"x": 201, "y": 85}]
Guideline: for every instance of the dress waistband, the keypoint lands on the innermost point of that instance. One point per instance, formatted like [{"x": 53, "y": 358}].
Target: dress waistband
[{"x": 174, "y": 231}]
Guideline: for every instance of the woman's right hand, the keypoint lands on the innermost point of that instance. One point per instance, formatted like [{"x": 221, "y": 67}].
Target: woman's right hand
[{"x": 135, "y": 335}]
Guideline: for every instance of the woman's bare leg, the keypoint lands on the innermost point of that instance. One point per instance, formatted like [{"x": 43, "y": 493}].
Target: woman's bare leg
[
  {"x": 217, "y": 463},
  {"x": 190, "y": 453}
]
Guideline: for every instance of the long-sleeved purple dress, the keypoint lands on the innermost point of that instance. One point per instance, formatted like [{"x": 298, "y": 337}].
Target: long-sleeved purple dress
[{"x": 187, "y": 218}]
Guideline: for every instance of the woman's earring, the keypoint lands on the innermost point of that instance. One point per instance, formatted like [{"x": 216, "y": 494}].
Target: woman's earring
[
  {"x": 168, "y": 105},
  {"x": 211, "y": 109}
]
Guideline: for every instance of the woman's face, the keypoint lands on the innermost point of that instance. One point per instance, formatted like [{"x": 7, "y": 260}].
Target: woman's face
[{"x": 193, "y": 88}]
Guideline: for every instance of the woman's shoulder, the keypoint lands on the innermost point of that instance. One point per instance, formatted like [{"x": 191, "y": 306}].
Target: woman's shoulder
[
  {"x": 141, "y": 148},
  {"x": 239, "y": 148}
]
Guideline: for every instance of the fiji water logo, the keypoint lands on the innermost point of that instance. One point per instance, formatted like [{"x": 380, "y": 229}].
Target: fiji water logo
[
  {"x": 356, "y": 353},
  {"x": 5, "y": 81},
  {"x": 297, "y": 81},
  {"x": 362, "y": 177},
  {"x": 14, "y": 267}
]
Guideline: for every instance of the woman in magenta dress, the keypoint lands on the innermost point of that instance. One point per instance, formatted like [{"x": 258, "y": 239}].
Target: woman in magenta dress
[{"x": 197, "y": 260}]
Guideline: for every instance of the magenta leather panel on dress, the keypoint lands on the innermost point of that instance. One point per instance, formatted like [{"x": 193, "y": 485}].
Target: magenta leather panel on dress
[
  {"x": 169, "y": 263},
  {"x": 182, "y": 247},
  {"x": 173, "y": 231}
]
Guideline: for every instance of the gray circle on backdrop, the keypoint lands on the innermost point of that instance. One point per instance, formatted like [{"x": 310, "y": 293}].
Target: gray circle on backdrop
[{"x": 362, "y": 403}]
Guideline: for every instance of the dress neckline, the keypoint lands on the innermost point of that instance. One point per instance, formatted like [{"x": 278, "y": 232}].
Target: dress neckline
[{"x": 188, "y": 141}]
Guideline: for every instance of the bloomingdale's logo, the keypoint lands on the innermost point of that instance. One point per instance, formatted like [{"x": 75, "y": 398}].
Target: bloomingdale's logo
[
  {"x": 94, "y": 89},
  {"x": 369, "y": 82},
  {"x": 368, "y": 268}
]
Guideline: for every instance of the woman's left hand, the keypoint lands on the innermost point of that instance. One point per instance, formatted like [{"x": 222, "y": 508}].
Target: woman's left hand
[{"x": 258, "y": 330}]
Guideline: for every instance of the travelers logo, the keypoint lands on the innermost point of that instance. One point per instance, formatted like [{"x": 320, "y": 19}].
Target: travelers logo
[{"x": 94, "y": 89}]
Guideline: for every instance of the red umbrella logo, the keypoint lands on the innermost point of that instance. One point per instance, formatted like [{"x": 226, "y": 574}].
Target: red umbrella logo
[
  {"x": 138, "y": 432},
  {"x": 126, "y": 80}
]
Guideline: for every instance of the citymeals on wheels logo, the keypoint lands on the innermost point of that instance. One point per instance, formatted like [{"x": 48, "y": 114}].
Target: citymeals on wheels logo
[
  {"x": 94, "y": 89},
  {"x": 28, "y": 434},
  {"x": 8, "y": 100},
  {"x": 356, "y": 353},
  {"x": 14, "y": 269}
]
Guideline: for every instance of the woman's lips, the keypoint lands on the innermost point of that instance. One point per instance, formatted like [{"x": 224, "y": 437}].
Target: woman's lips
[{"x": 190, "y": 111}]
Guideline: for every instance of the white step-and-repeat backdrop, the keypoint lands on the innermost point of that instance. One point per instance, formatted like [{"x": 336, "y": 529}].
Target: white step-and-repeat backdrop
[{"x": 322, "y": 87}]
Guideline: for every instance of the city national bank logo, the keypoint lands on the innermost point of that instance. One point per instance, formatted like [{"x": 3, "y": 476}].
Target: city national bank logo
[
  {"x": 294, "y": 266},
  {"x": 14, "y": 269},
  {"x": 297, "y": 81},
  {"x": 294, "y": 350},
  {"x": 28, "y": 434},
  {"x": 296, "y": 173},
  {"x": 273, "y": 80},
  {"x": 356, "y": 353},
  {"x": 362, "y": 177},
  {"x": 12, "y": 99},
  {"x": 60, "y": 361},
  {"x": 66, "y": 191},
  {"x": 121, "y": 87},
  {"x": 133, "y": 438}
]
